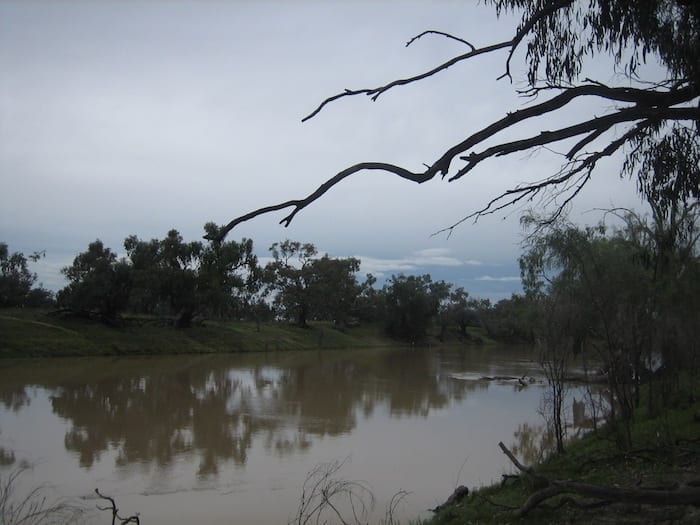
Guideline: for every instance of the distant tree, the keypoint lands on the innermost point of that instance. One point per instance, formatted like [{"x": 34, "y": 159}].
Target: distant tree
[
  {"x": 228, "y": 276},
  {"x": 99, "y": 284},
  {"x": 412, "y": 302},
  {"x": 165, "y": 275},
  {"x": 511, "y": 320},
  {"x": 179, "y": 263},
  {"x": 459, "y": 310},
  {"x": 184, "y": 279},
  {"x": 369, "y": 304},
  {"x": 289, "y": 275},
  {"x": 145, "y": 263},
  {"x": 254, "y": 305},
  {"x": 334, "y": 287},
  {"x": 306, "y": 287},
  {"x": 17, "y": 281}
]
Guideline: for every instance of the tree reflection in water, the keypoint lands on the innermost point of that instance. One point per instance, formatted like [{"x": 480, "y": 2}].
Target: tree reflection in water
[{"x": 151, "y": 411}]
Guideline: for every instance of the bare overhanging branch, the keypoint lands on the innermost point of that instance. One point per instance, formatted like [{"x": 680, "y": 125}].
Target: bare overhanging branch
[
  {"x": 651, "y": 106},
  {"x": 375, "y": 93},
  {"x": 596, "y": 126},
  {"x": 665, "y": 101},
  {"x": 640, "y": 97},
  {"x": 300, "y": 204},
  {"x": 583, "y": 167},
  {"x": 440, "y": 33},
  {"x": 512, "y": 44}
]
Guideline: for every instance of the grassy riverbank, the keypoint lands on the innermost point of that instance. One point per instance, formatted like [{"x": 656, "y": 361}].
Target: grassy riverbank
[
  {"x": 665, "y": 456},
  {"x": 39, "y": 333}
]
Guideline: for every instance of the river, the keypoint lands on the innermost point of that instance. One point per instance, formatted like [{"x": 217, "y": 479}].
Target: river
[{"x": 230, "y": 439}]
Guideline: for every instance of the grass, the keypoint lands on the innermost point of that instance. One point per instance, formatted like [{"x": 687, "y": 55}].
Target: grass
[
  {"x": 666, "y": 452},
  {"x": 38, "y": 333},
  {"x": 33, "y": 507}
]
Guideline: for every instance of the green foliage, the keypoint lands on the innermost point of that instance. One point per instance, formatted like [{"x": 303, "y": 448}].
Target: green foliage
[
  {"x": 510, "y": 320},
  {"x": 369, "y": 304},
  {"x": 559, "y": 44},
  {"x": 666, "y": 454},
  {"x": 562, "y": 38},
  {"x": 411, "y": 303},
  {"x": 629, "y": 295},
  {"x": 184, "y": 279},
  {"x": 98, "y": 283},
  {"x": 288, "y": 275},
  {"x": 17, "y": 281},
  {"x": 228, "y": 276},
  {"x": 308, "y": 288},
  {"x": 334, "y": 287}
]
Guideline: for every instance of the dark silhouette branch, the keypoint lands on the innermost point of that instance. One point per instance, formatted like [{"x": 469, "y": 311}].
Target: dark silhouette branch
[
  {"x": 649, "y": 106},
  {"x": 300, "y": 204},
  {"x": 582, "y": 167},
  {"x": 374, "y": 93},
  {"x": 602, "y": 124},
  {"x": 643, "y": 109},
  {"x": 441, "y": 33},
  {"x": 115, "y": 511}
]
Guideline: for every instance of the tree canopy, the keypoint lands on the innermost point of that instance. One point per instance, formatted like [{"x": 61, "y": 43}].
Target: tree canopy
[
  {"x": 652, "y": 121},
  {"x": 17, "y": 282}
]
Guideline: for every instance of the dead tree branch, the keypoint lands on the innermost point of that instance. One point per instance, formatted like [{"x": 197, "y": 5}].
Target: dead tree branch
[
  {"x": 641, "y": 110},
  {"x": 683, "y": 495},
  {"x": 115, "y": 511},
  {"x": 323, "y": 491},
  {"x": 375, "y": 93},
  {"x": 441, "y": 33}
]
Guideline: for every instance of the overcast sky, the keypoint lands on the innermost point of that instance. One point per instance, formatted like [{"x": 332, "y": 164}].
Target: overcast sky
[{"x": 135, "y": 117}]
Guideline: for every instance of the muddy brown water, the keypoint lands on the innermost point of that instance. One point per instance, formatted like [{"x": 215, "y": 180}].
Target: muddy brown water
[{"x": 230, "y": 439}]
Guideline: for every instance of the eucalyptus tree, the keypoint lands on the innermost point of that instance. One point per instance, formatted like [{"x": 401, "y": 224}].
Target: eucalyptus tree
[
  {"x": 228, "y": 275},
  {"x": 288, "y": 276},
  {"x": 98, "y": 283},
  {"x": 667, "y": 247},
  {"x": 334, "y": 287},
  {"x": 369, "y": 304},
  {"x": 645, "y": 117},
  {"x": 165, "y": 276},
  {"x": 596, "y": 292},
  {"x": 307, "y": 287},
  {"x": 411, "y": 305},
  {"x": 17, "y": 281},
  {"x": 183, "y": 279}
]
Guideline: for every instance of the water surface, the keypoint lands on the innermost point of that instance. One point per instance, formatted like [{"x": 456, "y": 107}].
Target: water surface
[{"x": 230, "y": 439}]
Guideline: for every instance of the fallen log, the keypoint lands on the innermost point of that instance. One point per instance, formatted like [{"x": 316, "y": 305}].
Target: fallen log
[
  {"x": 458, "y": 495},
  {"x": 688, "y": 494}
]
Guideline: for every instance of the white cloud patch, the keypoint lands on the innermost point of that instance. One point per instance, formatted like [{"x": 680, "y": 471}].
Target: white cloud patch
[
  {"x": 421, "y": 259},
  {"x": 435, "y": 257},
  {"x": 505, "y": 279}
]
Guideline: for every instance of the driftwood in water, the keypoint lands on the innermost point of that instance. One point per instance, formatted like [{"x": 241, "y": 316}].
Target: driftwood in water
[
  {"x": 116, "y": 518},
  {"x": 522, "y": 381},
  {"x": 688, "y": 494}
]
